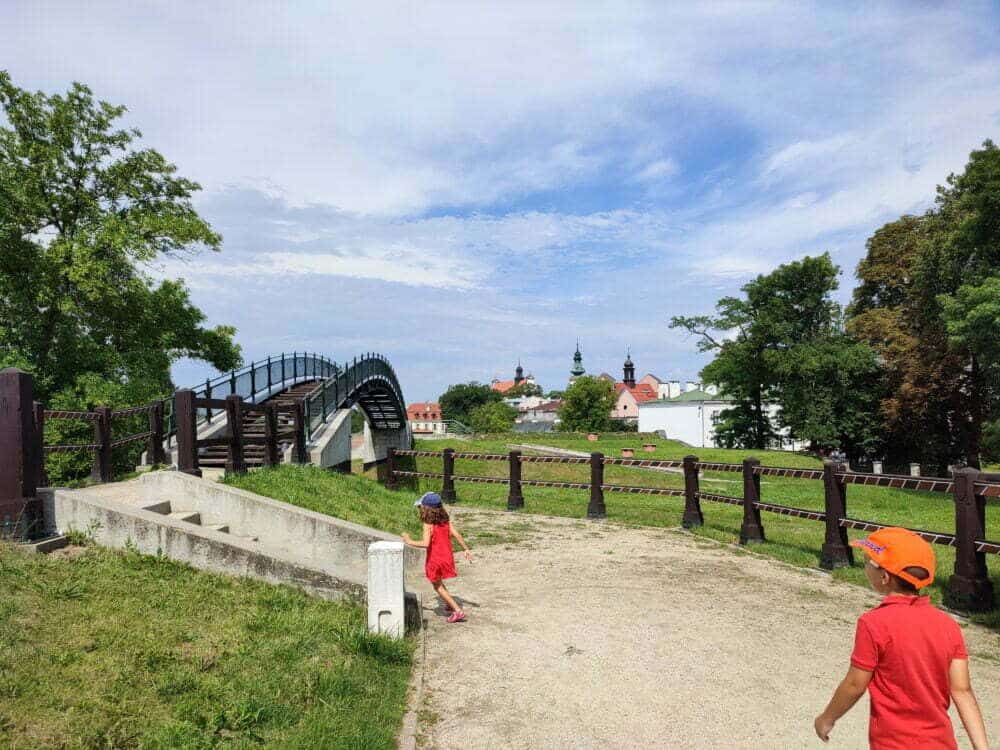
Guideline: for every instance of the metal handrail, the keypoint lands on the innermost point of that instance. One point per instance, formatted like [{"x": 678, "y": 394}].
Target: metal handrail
[
  {"x": 253, "y": 381},
  {"x": 341, "y": 388}
]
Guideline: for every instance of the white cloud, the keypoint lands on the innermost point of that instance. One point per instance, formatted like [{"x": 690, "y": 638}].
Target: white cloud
[{"x": 656, "y": 170}]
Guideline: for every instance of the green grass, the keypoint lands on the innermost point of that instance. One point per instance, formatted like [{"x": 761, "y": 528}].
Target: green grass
[
  {"x": 120, "y": 650},
  {"x": 792, "y": 540}
]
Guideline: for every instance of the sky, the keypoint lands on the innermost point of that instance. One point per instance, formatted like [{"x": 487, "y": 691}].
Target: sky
[{"x": 462, "y": 185}]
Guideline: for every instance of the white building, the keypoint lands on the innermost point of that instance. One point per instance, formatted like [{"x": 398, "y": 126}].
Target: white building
[
  {"x": 425, "y": 418},
  {"x": 692, "y": 415}
]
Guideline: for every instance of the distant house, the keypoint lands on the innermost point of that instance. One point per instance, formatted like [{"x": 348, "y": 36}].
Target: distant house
[
  {"x": 547, "y": 411},
  {"x": 691, "y": 417},
  {"x": 425, "y": 418},
  {"x": 629, "y": 398}
]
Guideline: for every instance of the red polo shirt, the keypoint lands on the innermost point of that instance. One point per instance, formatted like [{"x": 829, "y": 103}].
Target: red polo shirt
[{"x": 909, "y": 645}]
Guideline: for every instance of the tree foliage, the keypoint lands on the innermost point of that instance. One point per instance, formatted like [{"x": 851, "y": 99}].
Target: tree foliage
[
  {"x": 587, "y": 405},
  {"x": 924, "y": 299},
  {"x": 83, "y": 211},
  {"x": 783, "y": 342},
  {"x": 494, "y": 416},
  {"x": 461, "y": 399},
  {"x": 524, "y": 389}
]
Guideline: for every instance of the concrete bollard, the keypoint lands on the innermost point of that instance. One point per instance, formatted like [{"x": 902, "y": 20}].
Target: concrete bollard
[
  {"x": 386, "y": 610},
  {"x": 876, "y": 467},
  {"x": 914, "y": 470}
]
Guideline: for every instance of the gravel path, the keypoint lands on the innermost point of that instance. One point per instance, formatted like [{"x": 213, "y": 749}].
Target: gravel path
[{"x": 591, "y": 635}]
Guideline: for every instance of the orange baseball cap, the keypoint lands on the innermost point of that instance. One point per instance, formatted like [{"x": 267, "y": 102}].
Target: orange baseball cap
[{"x": 895, "y": 549}]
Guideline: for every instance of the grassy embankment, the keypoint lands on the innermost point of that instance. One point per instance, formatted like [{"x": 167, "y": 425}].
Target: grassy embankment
[
  {"x": 792, "y": 540},
  {"x": 109, "y": 649}
]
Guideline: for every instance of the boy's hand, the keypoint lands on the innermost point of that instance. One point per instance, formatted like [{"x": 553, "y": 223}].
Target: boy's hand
[{"x": 823, "y": 726}]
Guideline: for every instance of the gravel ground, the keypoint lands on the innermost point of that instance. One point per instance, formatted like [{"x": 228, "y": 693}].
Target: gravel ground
[{"x": 586, "y": 634}]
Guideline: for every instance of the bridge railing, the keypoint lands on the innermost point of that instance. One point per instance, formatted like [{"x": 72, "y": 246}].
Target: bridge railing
[
  {"x": 969, "y": 588},
  {"x": 254, "y": 381},
  {"x": 340, "y": 390}
]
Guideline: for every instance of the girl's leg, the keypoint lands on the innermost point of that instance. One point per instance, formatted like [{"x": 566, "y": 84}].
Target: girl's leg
[{"x": 441, "y": 591}]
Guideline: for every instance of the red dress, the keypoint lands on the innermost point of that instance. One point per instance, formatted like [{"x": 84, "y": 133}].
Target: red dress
[{"x": 440, "y": 562}]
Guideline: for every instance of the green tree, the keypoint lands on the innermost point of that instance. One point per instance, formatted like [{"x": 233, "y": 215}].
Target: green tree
[
  {"x": 461, "y": 399},
  {"x": 587, "y": 405},
  {"x": 555, "y": 395},
  {"x": 524, "y": 389},
  {"x": 784, "y": 342},
  {"x": 495, "y": 416},
  {"x": 83, "y": 212},
  {"x": 940, "y": 394}
]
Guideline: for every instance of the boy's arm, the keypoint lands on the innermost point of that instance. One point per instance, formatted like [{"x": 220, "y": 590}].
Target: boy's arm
[
  {"x": 454, "y": 533},
  {"x": 850, "y": 689},
  {"x": 425, "y": 542},
  {"x": 965, "y": 701}
]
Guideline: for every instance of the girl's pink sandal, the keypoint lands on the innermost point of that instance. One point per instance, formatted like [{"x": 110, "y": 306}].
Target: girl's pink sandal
[{"x": 457, "y": 616}]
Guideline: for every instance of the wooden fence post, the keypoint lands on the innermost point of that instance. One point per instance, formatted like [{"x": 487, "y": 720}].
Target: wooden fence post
[
  {"x": 186, "y": 418},
  {"x": 448, "y": 469},
  {"x": 390, "y": 469},
  {"x": 515, "y": 500},
  {"x": 271, "y": 435},
  {"x": 836, "y": 553},
  {"x": 19, "y": 511},
  {"x": 970, "y": 587},
  {"x": 596, "y": 509},
  {"x": 235, "y": 460},
  {"x": 39, "y": 457},
  {"x": 752, "y": 530},
  {"x": 102, "y": 437},
  {"x": 692, "y": 503},
  {"x": 300, "y": 456},
  {"x": 154, "y": 452}
]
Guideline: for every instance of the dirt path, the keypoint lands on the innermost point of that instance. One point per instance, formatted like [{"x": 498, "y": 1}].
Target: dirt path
[{"x": 592, "y": 635}]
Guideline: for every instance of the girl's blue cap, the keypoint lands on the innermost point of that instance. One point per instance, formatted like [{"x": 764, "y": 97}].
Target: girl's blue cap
[{"x": 429, "y": 498}]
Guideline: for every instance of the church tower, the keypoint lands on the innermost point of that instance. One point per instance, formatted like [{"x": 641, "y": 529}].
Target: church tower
[
  {"x": 518, "y": 374},
  {"x": 577, "y": 370},
  {"x": 629, "y": 370}
]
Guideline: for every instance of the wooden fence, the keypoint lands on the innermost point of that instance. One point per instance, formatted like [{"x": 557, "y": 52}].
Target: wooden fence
[
  {"x": 234, "y": 438},
  {"x": 969, "y": 587}
]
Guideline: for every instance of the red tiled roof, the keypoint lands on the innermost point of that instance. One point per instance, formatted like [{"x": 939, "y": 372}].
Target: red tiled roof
[
  {"x": 424, "y": 410},
  {"x": 642, "y": 392},
  {"x": 548, "y": 406},
  {"x": 502, "y": 385}
]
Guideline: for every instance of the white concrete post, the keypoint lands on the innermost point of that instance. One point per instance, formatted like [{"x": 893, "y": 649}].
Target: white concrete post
[
  {"x": 876, "y": 467},
  {"x": 385, "y": 589},
  {"x": 914, "y": 470}
]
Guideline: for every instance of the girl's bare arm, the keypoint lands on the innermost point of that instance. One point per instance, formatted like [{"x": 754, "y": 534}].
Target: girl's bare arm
[
  {"x": 454, "y": 533},
  {"x": 425, "y": 542},
  {"x": 966, "y": 703}
]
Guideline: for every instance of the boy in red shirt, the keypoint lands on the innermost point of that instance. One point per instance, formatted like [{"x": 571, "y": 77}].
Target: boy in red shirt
[{"x": 909, "y": 655}]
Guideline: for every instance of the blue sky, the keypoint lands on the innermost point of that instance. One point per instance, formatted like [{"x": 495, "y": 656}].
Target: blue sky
[{"x": 459, "y": 185}]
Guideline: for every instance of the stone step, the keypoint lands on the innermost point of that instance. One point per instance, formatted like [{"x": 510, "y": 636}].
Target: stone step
[
  {"x": 222, "y": 528},
  {"x": 162, "y": 507},
  {"x": 187, "y": 516},
  {"x": 45, "y": 546}
]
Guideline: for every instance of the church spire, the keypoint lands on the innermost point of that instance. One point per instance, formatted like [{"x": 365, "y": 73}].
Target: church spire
[
  {"x": 518, "y": 373},
  {"x": 629, "y": 369},
  {"x": 577, "y": 370}
]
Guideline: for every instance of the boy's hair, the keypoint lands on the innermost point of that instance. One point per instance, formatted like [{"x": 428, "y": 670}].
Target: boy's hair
[
  {"x": 904, "y": 585},
  {"x": 433, "y": 514}
]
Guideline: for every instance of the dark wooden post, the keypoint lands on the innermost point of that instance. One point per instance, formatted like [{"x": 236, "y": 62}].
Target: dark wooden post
[
  {"x": 271, "y": 457},
  {"x": 692, "y": 502},
  {"x": 390, "y": 469},
  {"x": 235, "y": 460},
  {"x": 970, "y": 587},
  {"x": 187, "y": 432},
  {"x": 448, "y": 469},
  {"x": 39, "y": 457},
  {"x": 208, "y": 394},
  {"x": 752, "y": 530},
  {"x": 836, "y": 553},
  {"x": 102, "y": 437},
  {"x": 515, "y": 500},
  {"x": 154, "y": 453},
  {"x": 596, "y": 509},
  {"x": 19, "y": 509},
  {"x": 299, "y": 455}
]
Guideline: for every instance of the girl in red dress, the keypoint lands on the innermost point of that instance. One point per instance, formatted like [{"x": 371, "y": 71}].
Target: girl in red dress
[{"x": 440, "y": 563}]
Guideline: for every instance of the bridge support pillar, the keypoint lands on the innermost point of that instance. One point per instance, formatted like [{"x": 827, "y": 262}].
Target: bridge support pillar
[
  {"x": 331, "y": 448},
  {"x": 378, "y": 442}
]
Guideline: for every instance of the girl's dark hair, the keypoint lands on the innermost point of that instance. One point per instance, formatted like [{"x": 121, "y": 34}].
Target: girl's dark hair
[{"x": 434, "y": 514}]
